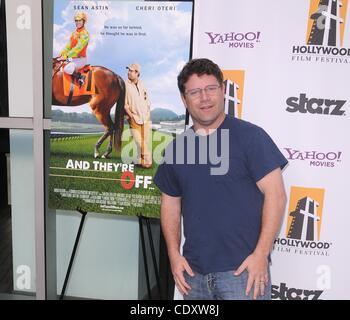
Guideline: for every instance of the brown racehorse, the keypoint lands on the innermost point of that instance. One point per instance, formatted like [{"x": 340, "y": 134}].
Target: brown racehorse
[{"x": 110, "y": 90}]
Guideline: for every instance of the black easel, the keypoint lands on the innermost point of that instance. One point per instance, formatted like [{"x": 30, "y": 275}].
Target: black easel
[
  {"x": 83, "y": 215},
  {"x": 151, "y": 244}
]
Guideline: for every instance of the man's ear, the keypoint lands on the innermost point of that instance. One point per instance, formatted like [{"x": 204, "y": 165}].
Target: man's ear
[
  {"x": 184, "y": 100},
  {"x": 223, "y": 88}
]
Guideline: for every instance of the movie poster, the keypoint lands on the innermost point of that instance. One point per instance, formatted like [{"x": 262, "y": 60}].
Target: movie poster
[{"x": 115, "y": 102}]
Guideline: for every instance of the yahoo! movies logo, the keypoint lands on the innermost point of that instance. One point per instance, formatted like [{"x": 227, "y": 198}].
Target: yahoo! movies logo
[
  {"x": 303, "y": 231},
  {"x": 234, "y": 88},
  {"x": 247, "y": 40},
  {"x": 325, "y": 33},
  {"x": 314, "y": 158}
]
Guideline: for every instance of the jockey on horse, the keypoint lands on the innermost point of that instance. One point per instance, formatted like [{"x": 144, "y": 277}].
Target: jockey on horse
[
  {"x": 110, "y": 87},
  {"x": 75, "y": 51}
]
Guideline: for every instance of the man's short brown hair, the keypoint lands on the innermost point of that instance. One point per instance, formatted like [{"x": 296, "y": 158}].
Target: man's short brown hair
[{"x": 200, "y": 67}]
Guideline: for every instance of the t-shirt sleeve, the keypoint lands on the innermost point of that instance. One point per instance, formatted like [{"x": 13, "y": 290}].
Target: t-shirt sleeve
[
  {"x": 167, "y": 181},
  {"x": 264, "y": 156}
]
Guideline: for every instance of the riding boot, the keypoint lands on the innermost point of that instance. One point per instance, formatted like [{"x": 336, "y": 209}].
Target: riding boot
[{"x": 79, "y": 77}]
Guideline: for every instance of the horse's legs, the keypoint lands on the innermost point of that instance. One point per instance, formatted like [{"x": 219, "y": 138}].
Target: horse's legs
[
  {"x": 109, "y": 132},
  {"x": 109, "y": 148},
  {"x": 100, "y": 141},
  {"x": 103, "y": 116}
]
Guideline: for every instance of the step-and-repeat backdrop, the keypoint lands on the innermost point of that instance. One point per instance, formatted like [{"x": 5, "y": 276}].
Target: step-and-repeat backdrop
[{"x": 287, "y": 63}]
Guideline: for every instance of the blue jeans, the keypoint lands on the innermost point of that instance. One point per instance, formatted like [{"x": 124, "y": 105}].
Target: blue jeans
[{"x": 222, "y": 286}]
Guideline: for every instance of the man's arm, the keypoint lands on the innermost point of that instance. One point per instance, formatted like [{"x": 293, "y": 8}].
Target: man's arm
[
  {"x": 170, "y": 218},
  {"x": 128, "y": 111},
  {"x": 273, "y": 209},
  {"x": 127, "y": 102},
  {"x": 274, "y": 205},
  {"x": 66, "y": 49}
]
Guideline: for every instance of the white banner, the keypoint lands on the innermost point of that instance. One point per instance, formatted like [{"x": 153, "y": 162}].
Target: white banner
[{"x": 290, "y": 61}]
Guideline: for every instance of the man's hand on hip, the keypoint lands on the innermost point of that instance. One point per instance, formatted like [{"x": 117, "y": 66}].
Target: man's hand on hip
[{"x": 257, "y": 267}]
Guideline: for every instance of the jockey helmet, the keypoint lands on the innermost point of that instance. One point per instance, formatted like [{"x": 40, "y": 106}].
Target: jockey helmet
[{"x": 80, "y": 16}]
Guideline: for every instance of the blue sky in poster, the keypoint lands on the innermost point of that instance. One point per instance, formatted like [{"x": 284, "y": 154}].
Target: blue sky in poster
[{"x": 159, "y": 40}]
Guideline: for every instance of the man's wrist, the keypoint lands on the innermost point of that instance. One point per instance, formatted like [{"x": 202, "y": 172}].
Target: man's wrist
[
  {"x": 173, "y": 254},
  {"x": 262, "y": 253}
]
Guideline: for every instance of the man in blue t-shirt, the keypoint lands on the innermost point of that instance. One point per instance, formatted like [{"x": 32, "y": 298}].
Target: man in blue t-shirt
[{"x": 224, "y": 176}]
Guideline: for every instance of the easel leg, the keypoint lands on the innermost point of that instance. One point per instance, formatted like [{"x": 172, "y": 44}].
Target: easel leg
[
  {"x": 150, "y": 238},
  {"x": 83, "y": 213},
  {"x": 145, "y": 257}
]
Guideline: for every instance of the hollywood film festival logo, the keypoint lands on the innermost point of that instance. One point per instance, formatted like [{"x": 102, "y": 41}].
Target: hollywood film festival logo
[
  {"x": 303, "y": 231},
  {"x": 234, "y": 88},
  {"x": 325, "y": 34}
]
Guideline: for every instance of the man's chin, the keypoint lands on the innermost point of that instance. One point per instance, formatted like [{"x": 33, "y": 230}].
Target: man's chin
[
  {"x": 208, "y": 119},
  {"x": 207, "y": 122}
]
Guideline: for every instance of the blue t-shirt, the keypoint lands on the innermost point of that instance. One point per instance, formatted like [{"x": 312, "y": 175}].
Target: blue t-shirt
[{"x": 221, "y": 213}]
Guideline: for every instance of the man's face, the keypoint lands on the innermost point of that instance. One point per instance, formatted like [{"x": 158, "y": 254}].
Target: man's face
[
  {"x": 206, "y": 106},
  {"x": 132, "y": 75},
  {"x": 79, "y": 23}
]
